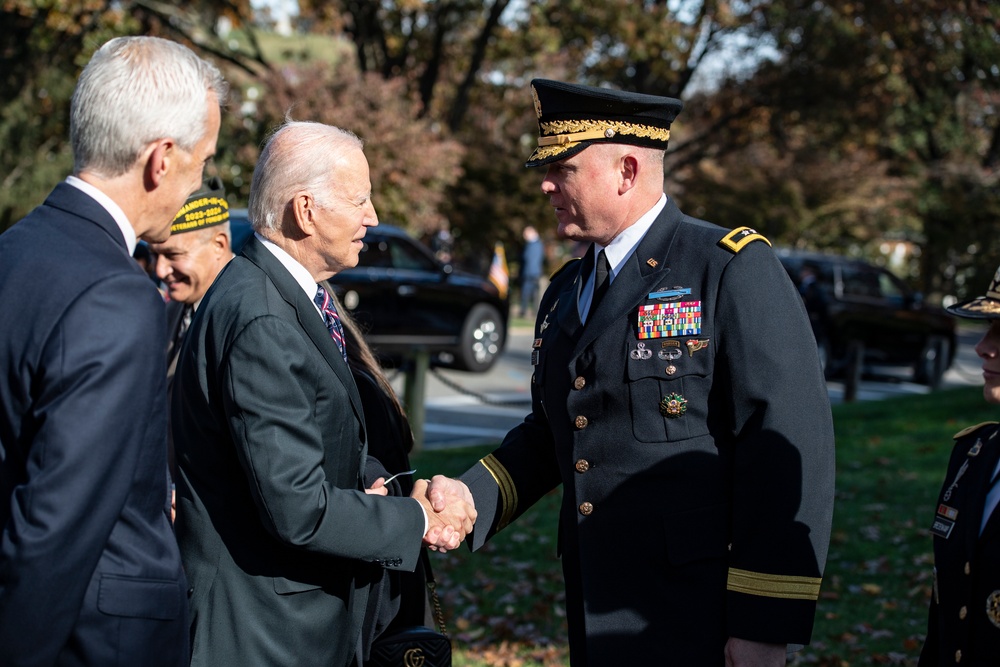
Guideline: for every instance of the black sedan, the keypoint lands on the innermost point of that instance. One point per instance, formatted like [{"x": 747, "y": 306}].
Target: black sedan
[
  {"x": 857, "y": 307},
  {"x": 405, "y": 299}
]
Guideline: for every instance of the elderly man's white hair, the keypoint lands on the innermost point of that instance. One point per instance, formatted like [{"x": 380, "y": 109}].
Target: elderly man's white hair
[
  {"x": 134, "y": 91},
  {"x": 301, "y": 155}
]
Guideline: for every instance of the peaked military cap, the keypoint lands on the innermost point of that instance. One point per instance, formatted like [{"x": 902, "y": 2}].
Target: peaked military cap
[
  {"x": 572, "y": 117},
  {"x": 982, "y": 307},
  {"x": 205, "y": 208}
]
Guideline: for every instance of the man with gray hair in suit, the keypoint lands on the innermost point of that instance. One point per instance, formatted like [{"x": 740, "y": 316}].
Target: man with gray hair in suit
[
  {"x": 90, "y": 572},
  {"x": 282, "y": 518}
]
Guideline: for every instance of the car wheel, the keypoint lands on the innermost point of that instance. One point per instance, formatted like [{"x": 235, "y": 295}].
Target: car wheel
[
  {"x": 933, "y": 361},
  {"x": 482, "y": 339}
]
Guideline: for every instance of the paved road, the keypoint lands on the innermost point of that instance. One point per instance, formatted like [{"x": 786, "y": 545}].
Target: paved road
[{"x": 469, "y": 409}]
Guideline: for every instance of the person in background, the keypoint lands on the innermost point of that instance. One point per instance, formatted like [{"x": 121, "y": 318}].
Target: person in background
[
  {"x": 90, "y": 572},
  {"x": 532, "y": 261},
  {"x": 815, "y": 299},
  {"x": 963, "y": 625},
  {"x": 677, "y": 398},
  {"x": 144, "y": 258},
  {"x": 187, "y": 263},
  {"x": 283, "y": 521}
]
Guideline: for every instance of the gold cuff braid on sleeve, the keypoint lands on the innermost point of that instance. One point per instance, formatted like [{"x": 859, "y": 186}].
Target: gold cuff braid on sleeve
[
  {"x": 773, "y": 585},
  {"x": 508, "y": 492}
]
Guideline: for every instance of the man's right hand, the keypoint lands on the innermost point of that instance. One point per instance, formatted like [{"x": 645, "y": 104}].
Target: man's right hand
[{"x": 452, "y": 514}]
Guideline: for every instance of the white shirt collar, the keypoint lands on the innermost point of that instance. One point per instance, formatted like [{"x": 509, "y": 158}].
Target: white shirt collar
[
  {"x": 623, "y": 245},
  {"x": 618, "y": 251},
  {"x": 113, "y": 209},
  {"x": 299, "y": 272}
]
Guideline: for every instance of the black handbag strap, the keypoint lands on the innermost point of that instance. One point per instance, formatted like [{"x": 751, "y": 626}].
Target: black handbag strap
[{"x": 432, "y": 588}]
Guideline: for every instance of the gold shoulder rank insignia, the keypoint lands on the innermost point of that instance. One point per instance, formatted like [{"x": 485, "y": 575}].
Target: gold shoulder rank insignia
[
  {"x": 972, "y": 429},
  {"x": 569, "y": 263},
  {"x": 737, "y": 239}
]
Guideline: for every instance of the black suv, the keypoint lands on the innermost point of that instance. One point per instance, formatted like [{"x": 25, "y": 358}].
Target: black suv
[
  {"x": 403, "y": 297},
  {"x": 856, "y": 307}
]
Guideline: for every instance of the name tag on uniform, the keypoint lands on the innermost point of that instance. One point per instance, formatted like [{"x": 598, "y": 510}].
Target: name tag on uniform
[
  {"x": 942, "y": 527},
  {"x": 944, "y": 522}
]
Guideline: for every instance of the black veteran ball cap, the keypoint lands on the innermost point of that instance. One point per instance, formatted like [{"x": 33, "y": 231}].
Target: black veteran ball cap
[
  {"x": 982, "y": 307},
  {"x": 205, "y": 208},
  {"x": 572, "y": 117}
]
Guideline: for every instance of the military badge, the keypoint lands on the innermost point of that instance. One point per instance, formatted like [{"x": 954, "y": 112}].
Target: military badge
[
  {"x": 993, "y": 608},
  {"x": 536, "y": 101},
  {"x": 640, "y": 352},
  {"x": 947, "y": 512},
  {"x": 667, "y": 320},
  {"x": 670, "y": 350},
  {"x": 670, "y": 294},
  {"x": 673, "y": 406},
  {"x": 695, "y": 345},
  {"x": 942, "y": 527},
  {"x": 652, "y": 262}
]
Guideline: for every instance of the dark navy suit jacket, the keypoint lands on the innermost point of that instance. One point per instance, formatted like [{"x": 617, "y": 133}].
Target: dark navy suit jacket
[{"x": 90, "y": 571}]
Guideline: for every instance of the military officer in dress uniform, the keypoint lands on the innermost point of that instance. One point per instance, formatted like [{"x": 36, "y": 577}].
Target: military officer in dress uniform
[
  {"x": 963, "y": 626},
  {"x": 677, "y": 397}
]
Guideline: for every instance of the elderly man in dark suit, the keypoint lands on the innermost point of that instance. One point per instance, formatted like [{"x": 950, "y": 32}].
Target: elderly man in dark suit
[
  {"x": 280, "y": 539},
  {"x": 677, "y": 397},
  {"x": 90, "y": 572}
]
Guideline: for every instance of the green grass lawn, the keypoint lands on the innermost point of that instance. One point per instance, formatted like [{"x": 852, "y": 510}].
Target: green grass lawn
[{"x": 505, "y": 604}]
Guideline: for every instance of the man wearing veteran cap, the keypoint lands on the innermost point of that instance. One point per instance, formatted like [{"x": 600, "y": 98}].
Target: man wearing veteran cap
[
  {"x": 964, "y": 620},
  {"x": 677, "y": 397},
  {"x": 199, "y": 247}
]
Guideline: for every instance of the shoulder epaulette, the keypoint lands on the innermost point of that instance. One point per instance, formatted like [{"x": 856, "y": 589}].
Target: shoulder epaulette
[
  {"x": 972, "y": 429},
  {"x": 737, "y": 239},
  {"x": 562, "y": 268}
]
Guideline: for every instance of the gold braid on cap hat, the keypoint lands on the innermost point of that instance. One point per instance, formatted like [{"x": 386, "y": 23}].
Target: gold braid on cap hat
[
  {"x": 561, "y": 135},
  {"x": 987, "y": 306}
]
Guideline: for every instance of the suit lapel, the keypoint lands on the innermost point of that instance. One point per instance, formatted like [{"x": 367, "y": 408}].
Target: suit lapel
[
  {"x": 992, "y": 527},
  {"x": 307, "y": 314},
  {"x": 567, "y": 310},
  {"x": 643, "y": 271}
]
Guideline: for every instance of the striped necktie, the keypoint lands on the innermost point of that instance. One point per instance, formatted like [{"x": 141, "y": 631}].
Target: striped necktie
[{"x": 332, "y": 319}]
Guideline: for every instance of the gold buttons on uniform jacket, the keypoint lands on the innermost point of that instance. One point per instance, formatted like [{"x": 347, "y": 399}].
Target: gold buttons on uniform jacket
[
  {"x": 962, "y": 613},
  {"x": 580, "y": 422},
  {"x": 583, "y": 465},
  {"x": 579, "y": 382},
  {"x": 586, "y": 509}
]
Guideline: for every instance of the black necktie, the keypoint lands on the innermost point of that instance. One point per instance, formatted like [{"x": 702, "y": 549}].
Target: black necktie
[{"x": 601, "y": 281}]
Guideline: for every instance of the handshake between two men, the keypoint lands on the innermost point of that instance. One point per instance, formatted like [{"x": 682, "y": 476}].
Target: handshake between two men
[{"x": 448, "y": 505}]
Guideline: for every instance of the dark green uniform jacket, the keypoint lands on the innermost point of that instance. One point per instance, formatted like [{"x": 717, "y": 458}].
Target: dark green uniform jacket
[
  {"x": 964, "y": 622},
  {"x": 697, "y": 468}
]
